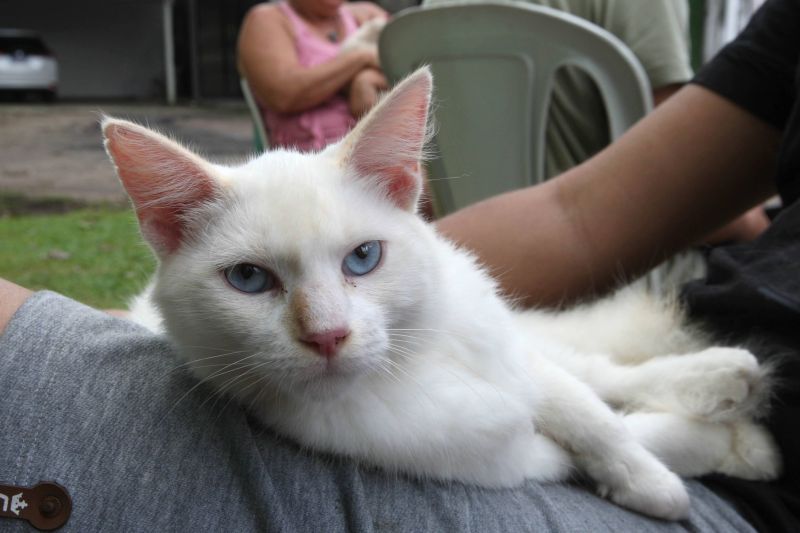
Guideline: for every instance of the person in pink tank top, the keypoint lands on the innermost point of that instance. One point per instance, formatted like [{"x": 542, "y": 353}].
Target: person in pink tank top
[{"x": 310, "y": 92}]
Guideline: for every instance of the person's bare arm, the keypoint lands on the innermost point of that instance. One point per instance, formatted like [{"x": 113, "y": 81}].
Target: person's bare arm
[
  {"x": 660, "y": 94},
  {"x": 744, "y": 228},
  {"x": 12, "y": 296},
  {"x": 691, "y": 165},
  {"x": 365, "y": 90},
  {"x": 268, "y": 59}
]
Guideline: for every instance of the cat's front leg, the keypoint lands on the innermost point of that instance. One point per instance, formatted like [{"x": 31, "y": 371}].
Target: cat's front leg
[{"x": 572, "y": 415}]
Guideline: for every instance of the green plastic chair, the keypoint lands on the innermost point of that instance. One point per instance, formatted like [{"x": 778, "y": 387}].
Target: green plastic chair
[
  {"x": 260, "y": 137},
  {"x": 493, "y": 66}
]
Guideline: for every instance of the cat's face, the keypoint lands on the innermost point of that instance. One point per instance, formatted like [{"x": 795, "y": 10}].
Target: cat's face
[
  {"x": 301, "y": 272},
  {"x": 304, "y": 267}
]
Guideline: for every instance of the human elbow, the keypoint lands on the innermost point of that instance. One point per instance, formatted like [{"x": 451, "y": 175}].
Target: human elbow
[
  {"x": 274, "y": 98},
  {"x": 287, "y": 102},
  {"x": 284, "y": 104}
]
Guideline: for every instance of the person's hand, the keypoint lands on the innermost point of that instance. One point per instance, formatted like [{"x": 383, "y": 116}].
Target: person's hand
[
  {"x": 365, "y": 42},
  {"x": 364, "y": 55},
  {"x": 370, "y": 56},
  {"x": 365, "y": 89},
  {"x": 745, "y": 228},
  {"x": 365, "y": 11}
]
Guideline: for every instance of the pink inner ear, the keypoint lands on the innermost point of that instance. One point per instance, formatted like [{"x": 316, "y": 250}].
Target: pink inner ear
[
  {"x": 400, "y": 184},
  {"x": 163, "y": 234},
  {"x": 163, "y": 179},
  {"x": 164, "y": 223},
  {"x": 388, "y": 145}
]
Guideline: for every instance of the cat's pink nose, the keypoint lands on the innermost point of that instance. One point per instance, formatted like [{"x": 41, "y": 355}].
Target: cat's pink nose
[{"x": 325, "y": 343}]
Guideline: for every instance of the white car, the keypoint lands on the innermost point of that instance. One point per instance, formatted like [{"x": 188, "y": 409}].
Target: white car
[{"x": 26, "y": 64}]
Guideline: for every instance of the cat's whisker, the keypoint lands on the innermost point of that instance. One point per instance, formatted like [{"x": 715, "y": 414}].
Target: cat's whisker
[
  {"x": 431, "y": 330},
  {"x": 398, "y": 367},
  {"x": 388, "y": 371},
  {"x": 402, "y": 349},
  {"x": 206, "y": 347},
  {"x": 194, "y": 367},
  {"x": 408, "y": 354},
  {"x": 223, "y": 389},
  {"x": 259, "y": 394},
  {"x": 274, "y": 363},
  {"x": 191, "y": 363},
  {"x": 404, "y": 337},
  {"x": 447, "y": 178},
  {"x": 210, "y": 377},
  {"x": 411, "y": 348},
  {"x": 409, "y": 329},
  {"x": 251, "y": 369},
  {"x": 222, "y": 368},
  {"x": 411, "y": 345}
]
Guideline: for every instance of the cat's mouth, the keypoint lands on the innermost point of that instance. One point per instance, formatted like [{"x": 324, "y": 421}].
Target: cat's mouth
[
  {"x": 332, "y": 369},
  {"x": 326, "y": 378}
]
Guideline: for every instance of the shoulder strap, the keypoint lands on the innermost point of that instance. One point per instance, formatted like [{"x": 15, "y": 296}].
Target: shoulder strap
[{"x": 294, "y": 18}]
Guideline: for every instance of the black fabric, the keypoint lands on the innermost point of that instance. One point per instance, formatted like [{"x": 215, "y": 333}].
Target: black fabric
[
  {"x": 752, "y": 291},
  {"x": 754, "y": 286},
  {"x": 759, "y": 72}
]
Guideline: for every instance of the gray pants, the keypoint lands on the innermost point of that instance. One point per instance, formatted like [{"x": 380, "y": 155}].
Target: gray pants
[{"x": 96, "y": 404}]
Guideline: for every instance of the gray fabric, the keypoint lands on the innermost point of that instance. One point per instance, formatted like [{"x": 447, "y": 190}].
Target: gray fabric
[{"x": 97, "y": 405}]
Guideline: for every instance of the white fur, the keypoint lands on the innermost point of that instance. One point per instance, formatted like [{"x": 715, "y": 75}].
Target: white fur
[{"x": 438, "y": 377}]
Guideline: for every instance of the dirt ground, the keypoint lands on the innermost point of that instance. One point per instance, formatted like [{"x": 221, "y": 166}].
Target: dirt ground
[{"x": 56, "y": 150}]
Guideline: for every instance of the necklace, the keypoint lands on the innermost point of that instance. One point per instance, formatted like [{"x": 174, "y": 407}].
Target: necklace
[{"x": 317, "y": 24}]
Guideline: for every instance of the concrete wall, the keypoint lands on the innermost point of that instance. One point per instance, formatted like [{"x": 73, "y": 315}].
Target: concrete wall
[{"x": 105, "y": 48}]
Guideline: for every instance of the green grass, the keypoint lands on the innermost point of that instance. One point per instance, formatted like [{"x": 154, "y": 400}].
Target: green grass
[{"x": 94, "y": 255}]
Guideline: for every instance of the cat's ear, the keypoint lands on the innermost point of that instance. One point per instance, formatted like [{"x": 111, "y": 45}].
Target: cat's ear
[
  {"x": 164, "y": 180},
  {"x": 386, "y": 147}
]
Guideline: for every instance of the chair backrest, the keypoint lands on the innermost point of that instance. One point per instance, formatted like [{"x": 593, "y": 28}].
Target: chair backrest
[
  {"x": 493, "y": 67},
  {"x": 260, "y": 138}
]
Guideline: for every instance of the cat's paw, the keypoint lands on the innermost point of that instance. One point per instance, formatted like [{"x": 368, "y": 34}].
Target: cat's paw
[
  {"x": 719, "y": 384},
  {"x": 644, "y": 484},
  {"x": 660, "y": 495},
  {"x": 754, "y": 454}
]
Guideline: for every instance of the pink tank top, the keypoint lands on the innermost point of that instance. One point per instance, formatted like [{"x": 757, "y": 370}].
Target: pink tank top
[{"x": 314, "y": 128}]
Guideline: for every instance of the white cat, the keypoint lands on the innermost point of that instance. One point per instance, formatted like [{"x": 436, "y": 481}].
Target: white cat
[{"x": 305, "y": 286}]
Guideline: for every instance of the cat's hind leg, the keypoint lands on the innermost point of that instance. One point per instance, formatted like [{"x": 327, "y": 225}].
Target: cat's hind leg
[
  {"x": 717, "y": 384},
  {"x": 694, "y": 448},
  {"x": 721, "y": 384}
]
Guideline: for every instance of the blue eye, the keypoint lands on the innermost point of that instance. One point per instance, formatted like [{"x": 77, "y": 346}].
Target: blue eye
[
  {"x": 363, "y": 259},
  {"x": 250, "y": 278}
]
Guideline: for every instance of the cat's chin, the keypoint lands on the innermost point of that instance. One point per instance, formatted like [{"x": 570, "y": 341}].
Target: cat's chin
[
  {"x": 324, "y": 385},
  {"x": 326, "y": 379}
]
